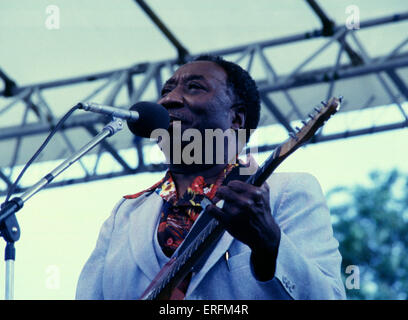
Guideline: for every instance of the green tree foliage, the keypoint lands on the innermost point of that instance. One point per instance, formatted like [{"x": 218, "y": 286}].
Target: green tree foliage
[{"x": 371, "y": 223}]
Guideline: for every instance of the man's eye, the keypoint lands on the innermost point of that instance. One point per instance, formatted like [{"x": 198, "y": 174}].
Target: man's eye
[
  {"x": 193, "y": 85},
  {"x": 165, "y": 91}
]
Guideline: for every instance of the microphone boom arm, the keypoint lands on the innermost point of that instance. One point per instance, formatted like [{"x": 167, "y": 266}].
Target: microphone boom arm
[
  {"x": 114, "y": 112},
  {"x": 110, "y": 129}
]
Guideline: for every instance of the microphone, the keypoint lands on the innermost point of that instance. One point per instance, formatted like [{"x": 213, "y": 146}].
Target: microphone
[{"x": 142, "y": 118}]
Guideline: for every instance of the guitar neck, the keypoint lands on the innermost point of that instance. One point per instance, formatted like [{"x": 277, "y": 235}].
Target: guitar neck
[{"x": 269, "y": 166}]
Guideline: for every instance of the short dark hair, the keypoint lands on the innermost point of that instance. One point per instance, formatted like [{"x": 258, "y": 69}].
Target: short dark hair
[{"x": 243, "y": 87}]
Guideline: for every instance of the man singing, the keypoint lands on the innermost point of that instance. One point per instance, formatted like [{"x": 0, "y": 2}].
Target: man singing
[{"x": 279, "y": 242}]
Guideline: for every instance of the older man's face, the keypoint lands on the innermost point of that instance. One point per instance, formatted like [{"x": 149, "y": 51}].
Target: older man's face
[{"x": 197, "y": 95}]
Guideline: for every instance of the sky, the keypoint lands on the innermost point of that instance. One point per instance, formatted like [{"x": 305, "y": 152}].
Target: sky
[{"x": 60, "y": 226}]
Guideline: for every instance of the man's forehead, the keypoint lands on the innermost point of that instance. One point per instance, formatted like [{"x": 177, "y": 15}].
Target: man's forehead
[{"x": 207, "y": 70}]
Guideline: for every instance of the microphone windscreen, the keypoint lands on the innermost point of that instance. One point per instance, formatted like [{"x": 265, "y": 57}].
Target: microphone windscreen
[{"x": 151, "y": 116}]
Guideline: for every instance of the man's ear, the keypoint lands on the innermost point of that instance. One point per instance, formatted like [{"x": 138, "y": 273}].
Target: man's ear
[{"x": 239, "y": 116}]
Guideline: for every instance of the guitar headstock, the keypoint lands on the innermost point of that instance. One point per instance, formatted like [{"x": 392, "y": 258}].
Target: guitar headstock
[{"x": 316, "y": 120}]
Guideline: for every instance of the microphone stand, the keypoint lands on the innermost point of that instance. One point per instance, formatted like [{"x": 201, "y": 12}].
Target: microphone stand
[{"x": 9, "y": 228}]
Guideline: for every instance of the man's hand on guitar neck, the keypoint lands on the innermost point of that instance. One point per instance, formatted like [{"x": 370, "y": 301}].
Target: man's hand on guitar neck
[{"x": 246, "y": 215}]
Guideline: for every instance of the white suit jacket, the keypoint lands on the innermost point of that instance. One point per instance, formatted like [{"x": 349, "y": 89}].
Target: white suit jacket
[{"x": 127, "y": 258}]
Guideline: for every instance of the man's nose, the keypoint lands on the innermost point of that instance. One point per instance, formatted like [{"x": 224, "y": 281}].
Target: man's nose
[{"x": 173, "y": 99}]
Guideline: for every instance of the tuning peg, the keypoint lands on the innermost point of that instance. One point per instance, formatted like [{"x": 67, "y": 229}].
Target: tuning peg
[
  {"x": 323, "y": 103},
  {"x": 293, "y": 135},
  {"x": 340, "y": 99},
  {"x": 298, "y": 129},
  {"x": 304, "y": 122},
  {"x": 317, "y": 109}
]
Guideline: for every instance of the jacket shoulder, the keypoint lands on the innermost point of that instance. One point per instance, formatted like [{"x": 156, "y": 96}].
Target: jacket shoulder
[{"x": 289, "y": 181}]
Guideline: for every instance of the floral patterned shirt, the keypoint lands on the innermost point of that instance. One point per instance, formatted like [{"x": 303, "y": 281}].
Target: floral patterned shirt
[{"x": 179, "y": 214}]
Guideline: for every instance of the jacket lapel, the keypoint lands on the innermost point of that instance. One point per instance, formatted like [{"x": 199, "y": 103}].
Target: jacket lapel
[{"x": 142, "y": 232}]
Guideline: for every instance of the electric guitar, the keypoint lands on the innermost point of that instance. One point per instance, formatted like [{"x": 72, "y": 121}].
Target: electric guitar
[{"x": 201, "y": 244}]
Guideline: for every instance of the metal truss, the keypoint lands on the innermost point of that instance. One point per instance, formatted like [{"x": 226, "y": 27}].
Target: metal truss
[{"x": 282, "y": 95}]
